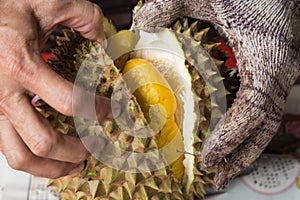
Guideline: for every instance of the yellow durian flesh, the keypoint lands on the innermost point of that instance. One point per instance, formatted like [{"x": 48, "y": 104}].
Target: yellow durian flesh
[{"x": 152, "y": 90}]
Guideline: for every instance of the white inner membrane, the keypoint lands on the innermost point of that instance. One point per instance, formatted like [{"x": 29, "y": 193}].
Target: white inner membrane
[{"x": 165, "y": 52}]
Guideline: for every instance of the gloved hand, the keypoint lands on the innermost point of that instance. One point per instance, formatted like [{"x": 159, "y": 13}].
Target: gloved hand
[{"x": 265, "y": 37}]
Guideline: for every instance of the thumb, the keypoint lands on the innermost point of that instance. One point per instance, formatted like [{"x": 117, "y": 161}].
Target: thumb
[{"x": 62, "y": 96}]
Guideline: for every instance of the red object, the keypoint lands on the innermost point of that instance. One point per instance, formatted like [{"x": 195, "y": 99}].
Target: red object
[
  {"x": 291, "y": 124},
  {"x": 293, "y": 128},
  {"x": 290, "y": 117},
  {"x": 47, "y": 56},
  {"x": 231, "y": 61}
]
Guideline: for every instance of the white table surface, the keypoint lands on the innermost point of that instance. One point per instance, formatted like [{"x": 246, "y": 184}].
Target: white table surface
[{"x": 14, "y": 184}]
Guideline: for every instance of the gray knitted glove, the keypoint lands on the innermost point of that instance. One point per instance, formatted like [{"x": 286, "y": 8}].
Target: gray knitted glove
[{"x": 265, "y": 37}]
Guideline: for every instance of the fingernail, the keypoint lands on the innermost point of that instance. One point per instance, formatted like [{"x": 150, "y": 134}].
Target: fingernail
[
  {"x": 34, "y": 100},
  {"x": 77, "y": 169}
]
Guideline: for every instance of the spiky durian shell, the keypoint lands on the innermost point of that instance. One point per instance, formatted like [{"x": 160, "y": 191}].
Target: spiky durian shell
[
  {"x": 199, "y": 31},
  {"x": 92, "y": 183},
  {"x": 98, "y": 181}
]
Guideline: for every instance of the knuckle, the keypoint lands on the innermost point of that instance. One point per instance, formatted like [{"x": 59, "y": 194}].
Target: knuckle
[
  {"x": 97, "y": 13},
  {"x": 8, "y": 97},
  {"x": 17, "y": 67},
  {"x": 16, "y": 160},
  {"x": 56, "y": 175},
  {"x": 16, "y": 60},
  {"x": 42, "y": 146},
  {"x": 82, "y": 157},
  {"x": 8, "y": 102},
  {"x": 50, "y": 5},
  {"x": 13, "y": 64},
  {"x": 67, "y": 105},
  {"x": 53, "y": 3},
  {"x": 5, "y": 97},
  {"x": 62, "y": 171},
  {"x": 59, "y": 172}
]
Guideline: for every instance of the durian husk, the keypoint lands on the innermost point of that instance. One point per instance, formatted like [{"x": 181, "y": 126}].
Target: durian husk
[
  {"x": 98, "y": 181},
  {"x": 199, "y": 31}
]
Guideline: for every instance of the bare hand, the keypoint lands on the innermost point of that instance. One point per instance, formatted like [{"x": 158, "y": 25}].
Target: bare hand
[{"x": 27, "y": 140}]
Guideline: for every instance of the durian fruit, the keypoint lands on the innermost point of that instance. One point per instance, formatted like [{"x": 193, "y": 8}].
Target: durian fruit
[
  {"x": 159, "y": 104},
  {"x": 200, "y": 32},
  {"x": 100, "y": 181}
]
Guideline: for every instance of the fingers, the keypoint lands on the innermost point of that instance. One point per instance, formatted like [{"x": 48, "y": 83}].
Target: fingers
[
  {"x": 236, "y": 126},
  {"x": 156, "y": 14},
  {"x": 86, "y": 18},
  {"x": 94, "y": 107},
  {"x": 247, "y": 152},
  {"x": 48, "y": 85},
  {"x": 38, "y": 135},
  {"x": 59, "y": 94},
  {"x": 19, "y": 156},
  {"x": 24, "y": 64},
  {"x": 81, "y": 15}
]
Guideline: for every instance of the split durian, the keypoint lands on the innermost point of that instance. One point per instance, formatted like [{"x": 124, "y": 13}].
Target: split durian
[{"x": 177, "y": 173}]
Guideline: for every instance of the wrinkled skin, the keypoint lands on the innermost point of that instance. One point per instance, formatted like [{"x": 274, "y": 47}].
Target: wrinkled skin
[
  {"x": 27, "y": 140},
  {"x": 265, "y": 37}
]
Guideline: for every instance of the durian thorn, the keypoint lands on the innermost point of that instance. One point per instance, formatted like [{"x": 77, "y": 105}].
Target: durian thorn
[
  {"x": 177, "y": 27},
  {"x": 186, "y": 23},
  {"x": 227, "y": 92},
  {"x": 210, "y": 72},
  {"x": 194, "y": 26},
  {"x": 218, "y": 79},
  {"x": 211, "y": 88},
  {"x": 187, "y": 153},
  {"x": 219, "y": 63},
  {"x": 187, "y": 32},
  {"x": 115, "y": 69},
  {"x": 210, "y": 47},
  {"x": 214, "y": 105},
  {"x": 201, "y": 34}
]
